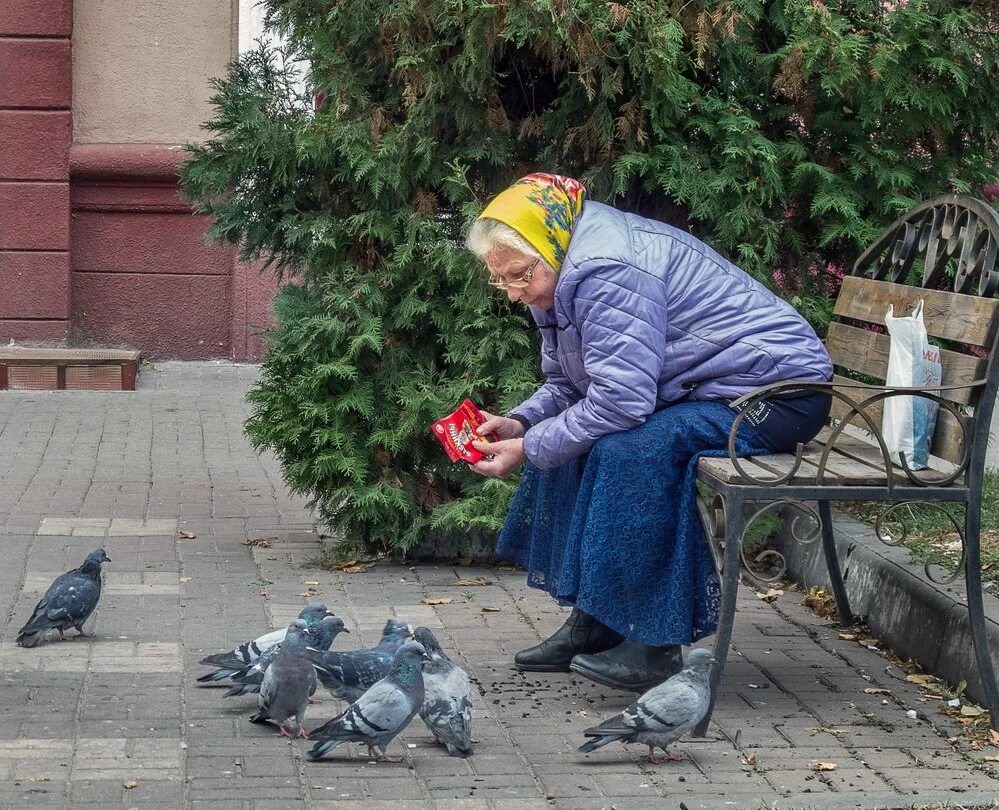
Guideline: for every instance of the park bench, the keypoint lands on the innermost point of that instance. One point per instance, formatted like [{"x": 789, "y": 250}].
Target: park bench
[{"x": 943, "y": 252}]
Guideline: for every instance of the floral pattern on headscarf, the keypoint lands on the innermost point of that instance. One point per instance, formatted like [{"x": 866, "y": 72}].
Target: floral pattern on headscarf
[{"x": 542, "y": 208}]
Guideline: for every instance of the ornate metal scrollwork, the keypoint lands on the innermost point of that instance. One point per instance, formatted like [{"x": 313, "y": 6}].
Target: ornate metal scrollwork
[
  {"x": 769, "y": 565},
  {"x": 946, "y": 228},
  {"x": 857, "y": 412},
  {"x": 894, "y": 512}
]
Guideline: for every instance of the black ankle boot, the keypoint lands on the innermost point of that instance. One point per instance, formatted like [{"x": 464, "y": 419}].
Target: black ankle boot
[
  {"x": 630, "y": 665},
  {"x": 581, "y": 633}
]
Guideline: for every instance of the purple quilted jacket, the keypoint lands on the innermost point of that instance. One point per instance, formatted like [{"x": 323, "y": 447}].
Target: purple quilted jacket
[{"x": 646, "y": 315}]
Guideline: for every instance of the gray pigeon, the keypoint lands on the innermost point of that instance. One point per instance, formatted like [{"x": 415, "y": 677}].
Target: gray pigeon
[
  {"x": 288, "y": 684},
  {"x": 348, "y": 675},
  {"x": 231, "y": 662},
  {"x": 663, "y": 714},
  {"x": 68, "y": 602},
  {"x": 247, "y": 681},
  {"x": 378, "y": 715},
  {"x": 447, "y": 703}
]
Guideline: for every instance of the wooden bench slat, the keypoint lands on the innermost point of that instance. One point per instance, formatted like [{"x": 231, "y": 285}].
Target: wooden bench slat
[
  {"x": 852, "y": 462},
  {"x": 867, "y": 352},
  {"x": 951, "y": 316}
]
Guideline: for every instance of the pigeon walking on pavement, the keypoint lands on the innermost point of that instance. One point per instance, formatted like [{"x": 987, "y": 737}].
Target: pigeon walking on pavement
[
  {"x": 349, "y": 674},
  {"x": 662, "y": 715},
  {"x": 383, "y": 711},
  {"x": 247, "y": 681},
  {"x": 447, "y": 701},
  {"x": 68, "y": 602},
  {"x": 288, "y": 684},
  {"x": 231, "y": 662}
]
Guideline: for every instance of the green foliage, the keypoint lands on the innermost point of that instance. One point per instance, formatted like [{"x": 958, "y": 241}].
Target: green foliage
[{"x": 786, "y": 133}]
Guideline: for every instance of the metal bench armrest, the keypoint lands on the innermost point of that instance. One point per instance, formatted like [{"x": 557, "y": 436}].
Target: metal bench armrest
[{"x": 875, "y": 395}]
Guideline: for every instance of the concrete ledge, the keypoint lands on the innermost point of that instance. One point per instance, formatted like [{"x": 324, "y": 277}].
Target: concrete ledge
[{"x": 912, "y": 616}]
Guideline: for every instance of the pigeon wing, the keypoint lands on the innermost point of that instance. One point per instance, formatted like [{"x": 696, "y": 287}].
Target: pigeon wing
[{"x": 447, "y": 709}]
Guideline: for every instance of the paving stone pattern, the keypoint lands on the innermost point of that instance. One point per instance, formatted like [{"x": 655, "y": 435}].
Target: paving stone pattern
[{"x": 118, "y": 720}]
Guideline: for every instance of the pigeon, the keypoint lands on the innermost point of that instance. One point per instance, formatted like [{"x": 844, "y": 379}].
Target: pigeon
[
  {"x": 347, "y": 675},
  {"x": 378, "y": 715},
  {"x": 68, "y": 602},
  {"x": 663, "y": 714},
  {"x": 447, "y": 702},
  {"x": 288, "y": 684},
  {"x": 231, "y": 662},
  {"x": 247, "y": 681}
]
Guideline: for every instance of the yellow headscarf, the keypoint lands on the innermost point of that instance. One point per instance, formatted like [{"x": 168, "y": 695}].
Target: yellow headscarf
[{"x": 542, "y": 208}]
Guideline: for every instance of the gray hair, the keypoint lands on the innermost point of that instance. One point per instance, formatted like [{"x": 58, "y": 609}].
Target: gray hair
[{"x": 487, "y": 234}]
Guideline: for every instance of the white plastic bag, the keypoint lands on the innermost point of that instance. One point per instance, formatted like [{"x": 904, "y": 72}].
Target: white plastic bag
[{"x": 908, "y": 422}]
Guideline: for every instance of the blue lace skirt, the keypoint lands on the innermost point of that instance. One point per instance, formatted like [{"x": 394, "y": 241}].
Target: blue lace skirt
[{"x": 616, "y": 532}]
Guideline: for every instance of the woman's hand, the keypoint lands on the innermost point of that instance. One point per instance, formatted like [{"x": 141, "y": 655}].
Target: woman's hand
[
  {"x": 507, "y": 455},
  {"x": 502, "y": 427}
]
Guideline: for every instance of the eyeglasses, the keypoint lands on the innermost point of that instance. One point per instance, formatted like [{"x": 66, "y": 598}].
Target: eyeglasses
[{"x": 518, "y": 281}]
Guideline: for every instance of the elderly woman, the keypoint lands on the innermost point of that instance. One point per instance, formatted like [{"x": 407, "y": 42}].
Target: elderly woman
[{"x": 646, "y": 335}]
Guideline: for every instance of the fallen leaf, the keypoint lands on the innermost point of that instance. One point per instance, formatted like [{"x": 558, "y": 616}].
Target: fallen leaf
[
  {"x": 874, "y": 690},
  {"x": 187, "y": 535},
  {"x": 259, "y": 542},
  {"x": 975, "y": 745},
  {"x": 185, "y": 579},
  {"x": 920, "y": 678},
  {"x": 971, "y": 711},
  {"x": 994, "y": 737},
  {"x": 488, "y": 609},
  {"x": 993, "y": 758},
  {"x": 129, "y": 784},
  {"x": 846, "y": 636},
  {"x": 770, "y": 595},
  {"x": 443, "y": 600},
  {"x": 310, "y": 581},
  {"x": 311, "y": 592},
  {"x": 824, "y": 766},
  {"x": 750, "y": 760},
  {"x": 473, "y": 581},
  {"x": 466, "y": 561},
  {"x": 352, "y": 566},
  {"x": 825, "y": 729}
]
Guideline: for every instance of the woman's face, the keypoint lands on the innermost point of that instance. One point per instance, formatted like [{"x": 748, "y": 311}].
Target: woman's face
[{"x": 508, "y": 265}]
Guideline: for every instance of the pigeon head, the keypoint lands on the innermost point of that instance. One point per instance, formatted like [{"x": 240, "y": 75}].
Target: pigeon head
[
  {"x": 321, "y": 635},
  {"x": 411, "y": 652},
  {"x": 395, "y": 629},
  {"x": 408, "y": 661},
  {"x": 298, "y": 633},
  {"x": 428, "y": 640},
  {"x": 92, "y": 564},
  {"x": 700, "y": 659},
  {"x": 314, "y": 613}
]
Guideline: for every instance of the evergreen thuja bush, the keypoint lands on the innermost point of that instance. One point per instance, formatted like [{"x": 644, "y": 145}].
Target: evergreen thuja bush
[{"x": 786, "y": 134}]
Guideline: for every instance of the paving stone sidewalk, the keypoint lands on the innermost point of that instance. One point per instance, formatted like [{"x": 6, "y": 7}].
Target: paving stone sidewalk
[{"x": 118, "y": 720}]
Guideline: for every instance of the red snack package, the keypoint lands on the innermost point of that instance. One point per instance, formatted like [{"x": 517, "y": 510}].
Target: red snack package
[{"x": 458, "y": 430}]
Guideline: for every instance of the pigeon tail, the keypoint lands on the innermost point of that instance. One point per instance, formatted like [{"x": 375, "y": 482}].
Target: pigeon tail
[
  {"x": 30, "y": 639},
  {"x": 321, "y": 748},
  {"x": 599, "y": 742},
  {"x": 241, "y": 689},
  {"x": 217, "y": 675}
]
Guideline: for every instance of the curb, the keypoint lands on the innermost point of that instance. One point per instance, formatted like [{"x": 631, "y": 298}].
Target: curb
[{"x": 915, "y": 618}]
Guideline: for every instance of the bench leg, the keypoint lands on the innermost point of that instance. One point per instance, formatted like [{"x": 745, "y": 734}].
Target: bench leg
[
  {"x": 832, "y": 563},
  {"x": 976, "y": 610},
  {"x": 729, "y": 591}
]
